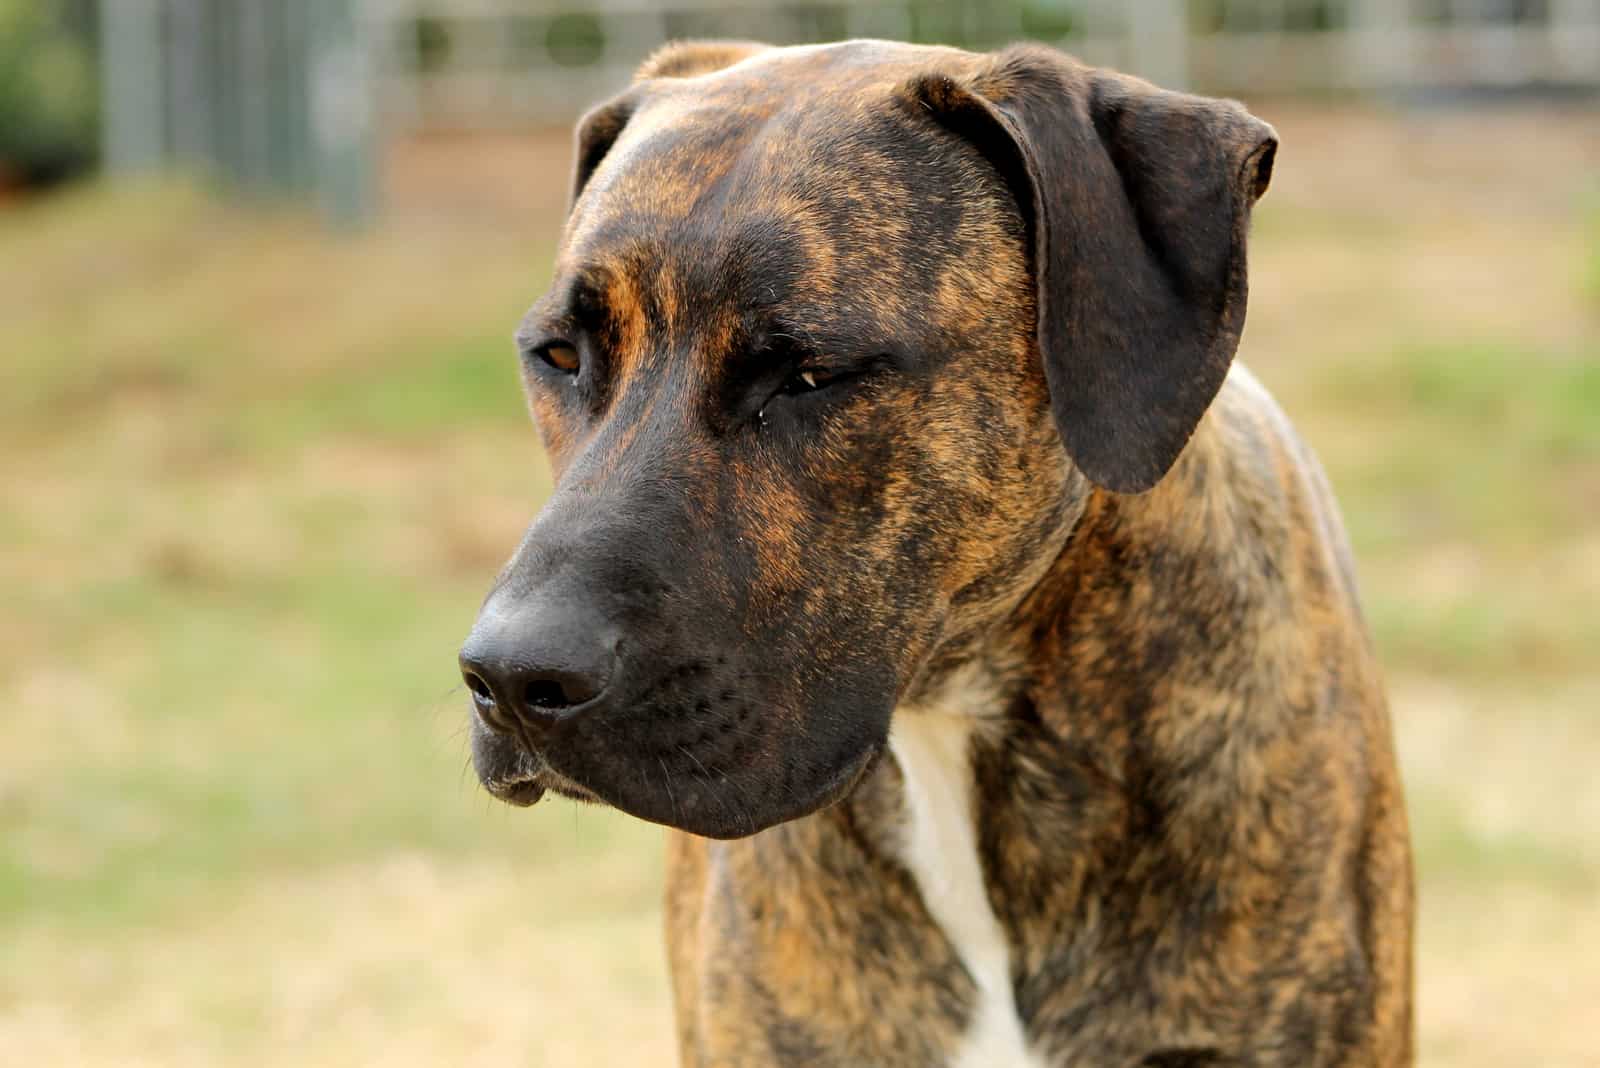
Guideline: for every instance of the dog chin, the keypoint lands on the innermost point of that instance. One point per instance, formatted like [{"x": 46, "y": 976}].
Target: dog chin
[
  {"x": 723, "y": 816},
  {"x": 512, "y": 773}
]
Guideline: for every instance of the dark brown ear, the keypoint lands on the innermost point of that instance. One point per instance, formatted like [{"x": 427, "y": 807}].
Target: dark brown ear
[
  {"x": 1137, "y": 203},
  {"x": 599, "y": 129}
]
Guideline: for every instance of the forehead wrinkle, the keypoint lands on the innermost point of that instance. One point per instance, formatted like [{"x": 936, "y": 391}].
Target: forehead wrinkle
[
  {"x": 567, "y": 305},
  {"x": 788, "y": 188},
  {"x": 840, "y": 190},
  {"x": 781, "y": 172},
  {"x": 669, "y": 162}
]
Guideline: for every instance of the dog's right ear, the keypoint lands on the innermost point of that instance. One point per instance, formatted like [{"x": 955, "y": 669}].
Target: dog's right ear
[
  {"x": 599, "y": 129},
  {"x": 1137, "y": 202}
]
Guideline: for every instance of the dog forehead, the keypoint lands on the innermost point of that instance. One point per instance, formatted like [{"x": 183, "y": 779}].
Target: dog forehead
[
  {"x": 793, "y": 123},
  {"x": 798, "y": 174}
]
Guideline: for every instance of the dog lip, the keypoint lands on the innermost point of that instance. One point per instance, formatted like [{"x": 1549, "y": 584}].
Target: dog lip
[
  {"x": 507, "y": 769},
  {"x": 519, "y": 792},
  {"x": 531, "y": 780},
  {"x": 843, "y": 782},
  {"x": 555, "y": 782}
]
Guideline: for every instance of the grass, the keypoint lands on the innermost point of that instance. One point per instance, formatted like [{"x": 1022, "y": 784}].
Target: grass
[
  {"x": 1494, "y": 441},
  {"x": 256, "y": 480},
  {"x": 1591, "y": 255}
]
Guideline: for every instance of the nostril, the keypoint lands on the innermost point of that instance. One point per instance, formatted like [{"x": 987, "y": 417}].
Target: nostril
[
  {"x": 548, "y": 693},
  {"x": 531, "y": 671},
  {"x": 479, "y": 688}
]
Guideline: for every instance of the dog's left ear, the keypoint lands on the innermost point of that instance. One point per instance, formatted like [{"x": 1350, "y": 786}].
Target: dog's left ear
[
  {"x": 599, "y": 129},
  {"x": 1137, "y": 202}
]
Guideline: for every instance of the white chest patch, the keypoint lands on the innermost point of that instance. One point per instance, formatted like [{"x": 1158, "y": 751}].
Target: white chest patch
[{"x": 940, "y": 847}]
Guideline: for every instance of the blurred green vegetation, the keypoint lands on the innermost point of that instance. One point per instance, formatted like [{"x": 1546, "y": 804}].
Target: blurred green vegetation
[{"x": 48, "y": 101}]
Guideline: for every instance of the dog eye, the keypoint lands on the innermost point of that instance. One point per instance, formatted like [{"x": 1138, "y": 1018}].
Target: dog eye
[
  {"x": 808, "y": 381},
  {"x": 560, "y": 355}
]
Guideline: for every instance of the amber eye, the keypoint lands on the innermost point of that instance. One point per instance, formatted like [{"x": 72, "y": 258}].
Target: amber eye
[{"x": 560, "y": 355}]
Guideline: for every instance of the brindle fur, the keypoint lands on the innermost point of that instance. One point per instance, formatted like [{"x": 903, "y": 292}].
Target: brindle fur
[{"x": 1188, "y": 812}]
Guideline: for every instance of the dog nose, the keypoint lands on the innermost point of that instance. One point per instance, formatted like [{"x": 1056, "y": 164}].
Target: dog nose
[{"x": 536, "y": 668}]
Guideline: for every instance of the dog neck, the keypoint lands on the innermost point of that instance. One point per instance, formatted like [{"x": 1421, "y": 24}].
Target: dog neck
[{"x": 969, "y": 701}]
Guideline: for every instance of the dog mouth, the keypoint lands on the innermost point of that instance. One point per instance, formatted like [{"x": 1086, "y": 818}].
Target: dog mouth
[
  {"x": 519, "y": 792},
  {"x": 510, "y": 771},
  {"x": 692, "y": 793},
  {"x": 526, "y": 789}
]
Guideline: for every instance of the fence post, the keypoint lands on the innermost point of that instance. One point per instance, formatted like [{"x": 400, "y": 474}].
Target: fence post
[
  {"x": 289, "y": 34},
  {"x": 1380, "y": 46},
  {"x": 133, "y": 125},
  {"x": 191, "y": 96},
  {"x": 1575, "y": 34},
  {"x": 253, "y": 50},
  {"x": 1158, "y": 40},
  {"x": 270, "y": 94},
  {"x": 342, "y": 112}
]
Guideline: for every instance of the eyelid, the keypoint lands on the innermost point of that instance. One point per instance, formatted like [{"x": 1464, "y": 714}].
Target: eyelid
[
  {"x": 827, "y": 363},
  {"x": 823, "y": 372},
  {"x": 536, "y": 354},
  {"x": 533, "y": 348},
  {"x": 530, "y": 344},
  {"x": 837, "y": 365}
]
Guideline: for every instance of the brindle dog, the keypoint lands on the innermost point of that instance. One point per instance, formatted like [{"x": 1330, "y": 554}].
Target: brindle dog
[{"x": 993, "y": 648}]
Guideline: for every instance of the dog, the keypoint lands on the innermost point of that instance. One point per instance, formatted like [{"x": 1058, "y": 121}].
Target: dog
[{"x": 918, "y": 555}]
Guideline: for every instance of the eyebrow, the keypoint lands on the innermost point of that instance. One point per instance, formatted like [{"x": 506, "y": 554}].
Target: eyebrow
[
  {"x": 579, "y": 305},
  {"x": 817, "y": 335}
]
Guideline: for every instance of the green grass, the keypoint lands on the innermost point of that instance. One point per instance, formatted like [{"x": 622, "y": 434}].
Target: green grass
[
  {"x": 473, "y": 381},
  {"x": 1475, "y": 436},
  {"x": 1590, "y": 266},
  {"x": 1475, "y": 462}
]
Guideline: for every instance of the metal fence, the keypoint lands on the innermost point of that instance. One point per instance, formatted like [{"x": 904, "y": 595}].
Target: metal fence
[
  {"x": 476, "y": 62},
  {"x": 291, "y": 95},
  {"x": 274, "y": 96}
]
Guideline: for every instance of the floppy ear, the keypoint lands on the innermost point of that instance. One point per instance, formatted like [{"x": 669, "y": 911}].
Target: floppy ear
[
  {"x": 599, "y": 129},
  {"x": 1137, "y": 202}
]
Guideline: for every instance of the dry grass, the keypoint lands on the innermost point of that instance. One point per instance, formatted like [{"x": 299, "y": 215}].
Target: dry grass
[{"x": 256, "y": 480}]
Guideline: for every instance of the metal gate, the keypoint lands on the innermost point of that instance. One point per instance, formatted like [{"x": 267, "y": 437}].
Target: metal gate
[{"x": 273, "y": 96}]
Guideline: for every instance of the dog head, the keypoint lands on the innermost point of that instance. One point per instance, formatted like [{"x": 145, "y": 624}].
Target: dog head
[{"x": 840, "y": 340}]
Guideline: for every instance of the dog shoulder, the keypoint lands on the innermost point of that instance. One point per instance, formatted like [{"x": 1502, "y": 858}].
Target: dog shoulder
[
  {"x": 1274, "y": 469},
  {"x": 1244, "y": 535}
]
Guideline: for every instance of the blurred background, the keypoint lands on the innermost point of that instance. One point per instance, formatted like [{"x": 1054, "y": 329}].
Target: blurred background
[{"x": 262, "y": 449}]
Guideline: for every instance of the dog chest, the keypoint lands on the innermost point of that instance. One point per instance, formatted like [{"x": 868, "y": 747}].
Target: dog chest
[{"x": 939, "y": 846}]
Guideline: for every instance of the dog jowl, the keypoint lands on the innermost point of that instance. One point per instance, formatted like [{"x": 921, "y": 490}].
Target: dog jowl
[{"x": 887, "y": 383}]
